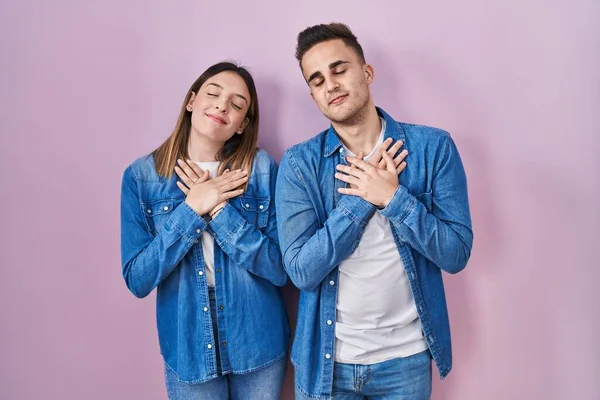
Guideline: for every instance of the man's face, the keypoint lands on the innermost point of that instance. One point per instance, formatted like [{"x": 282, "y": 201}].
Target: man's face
[{"x": 338, "y": 80}]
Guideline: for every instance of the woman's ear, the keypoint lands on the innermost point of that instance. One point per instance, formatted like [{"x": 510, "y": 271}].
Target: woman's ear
[
  {"x": 190, "y": 104},
  {"x": 243, "y": 126}
]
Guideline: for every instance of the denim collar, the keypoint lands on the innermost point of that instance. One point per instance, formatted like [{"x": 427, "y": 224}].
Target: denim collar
[{"x": 392, "y": 129}]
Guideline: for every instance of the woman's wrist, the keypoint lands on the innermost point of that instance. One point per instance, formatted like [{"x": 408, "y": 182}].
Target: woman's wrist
[{"x": 215, "y": 212}]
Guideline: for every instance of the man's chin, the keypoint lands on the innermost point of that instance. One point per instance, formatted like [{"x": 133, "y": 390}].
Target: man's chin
[{"x": 339, "y": 116}]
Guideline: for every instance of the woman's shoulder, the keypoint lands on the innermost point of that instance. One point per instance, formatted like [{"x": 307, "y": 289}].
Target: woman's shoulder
[
  {"x": 264, "y": 163},
  {"x": 143, "y": 169}
]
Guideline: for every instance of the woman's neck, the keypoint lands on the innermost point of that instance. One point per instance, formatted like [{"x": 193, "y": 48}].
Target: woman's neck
[{"x": 200, "y": 148}]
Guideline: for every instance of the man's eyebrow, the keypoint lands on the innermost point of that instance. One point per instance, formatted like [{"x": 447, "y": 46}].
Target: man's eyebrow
[
  {"x": 314, "y": 76},
  {"x": 334, "y": 64}
]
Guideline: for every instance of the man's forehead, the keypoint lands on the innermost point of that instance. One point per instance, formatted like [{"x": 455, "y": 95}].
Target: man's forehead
[
  {"x": 332, "y": 49},
  {"x": 326, "y": 55}
]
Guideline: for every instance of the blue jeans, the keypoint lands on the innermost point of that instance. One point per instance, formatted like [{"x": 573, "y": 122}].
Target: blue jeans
[
  {"x": 265, "y": 383},
  {"x": 406, "y": 378}
]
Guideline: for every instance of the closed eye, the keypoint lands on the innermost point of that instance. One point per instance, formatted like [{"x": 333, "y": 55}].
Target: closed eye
[
  {"x": 211, "y": 94},
  {"x": 236, "y": 106}
]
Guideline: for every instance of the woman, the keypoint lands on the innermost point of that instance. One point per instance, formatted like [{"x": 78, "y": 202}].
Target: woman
[{"x": 208, "y": 243}]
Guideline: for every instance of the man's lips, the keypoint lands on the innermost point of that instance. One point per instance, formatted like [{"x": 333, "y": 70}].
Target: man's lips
[{"x": 338, "y": 99}]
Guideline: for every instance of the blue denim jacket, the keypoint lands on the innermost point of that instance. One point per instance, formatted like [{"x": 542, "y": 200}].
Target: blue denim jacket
[
  {"x": 319, "y": 228},
  {"x": 161, "y": 248}
]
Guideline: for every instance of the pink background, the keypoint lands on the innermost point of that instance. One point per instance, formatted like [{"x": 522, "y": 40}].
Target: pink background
[{"x": 86, "y": 88}]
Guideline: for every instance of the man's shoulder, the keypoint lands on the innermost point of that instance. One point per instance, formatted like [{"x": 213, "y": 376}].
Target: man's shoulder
[
  {"x": 426, "y": 138},
  {"x": 423, "y": 132},
  {"x": 307, "y": 149}
]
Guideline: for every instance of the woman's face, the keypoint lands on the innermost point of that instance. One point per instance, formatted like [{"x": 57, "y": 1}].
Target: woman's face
[{"x": 219, "y": 108}]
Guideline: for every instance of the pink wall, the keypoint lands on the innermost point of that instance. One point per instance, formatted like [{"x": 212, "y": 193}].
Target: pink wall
[{"x": 85, "y": 89}]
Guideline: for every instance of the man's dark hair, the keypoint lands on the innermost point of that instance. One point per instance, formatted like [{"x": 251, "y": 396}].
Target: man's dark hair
[{"x": 316, "y": 34}]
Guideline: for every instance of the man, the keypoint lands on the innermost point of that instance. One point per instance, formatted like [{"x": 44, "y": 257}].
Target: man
[{"x": 366, "y": 238}]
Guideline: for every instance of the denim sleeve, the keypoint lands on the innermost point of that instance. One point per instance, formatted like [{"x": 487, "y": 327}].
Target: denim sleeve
[
  {"x": 255, "y": 250},
  {"x": 147, "y": 259},
  {"x": 310, "y": 251},
  {"x": 444, "y": 235}
]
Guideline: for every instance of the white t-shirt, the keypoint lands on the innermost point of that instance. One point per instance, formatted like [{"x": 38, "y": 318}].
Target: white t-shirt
[
  {"x": 376, "y": 316},
  {"x": 208, "y": 242}
]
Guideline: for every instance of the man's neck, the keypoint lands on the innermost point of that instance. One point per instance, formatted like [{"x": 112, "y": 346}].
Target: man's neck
[{"x": 361, "y": 136}]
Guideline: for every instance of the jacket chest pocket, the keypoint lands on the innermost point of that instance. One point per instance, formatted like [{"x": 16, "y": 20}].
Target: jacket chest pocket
[
  {"x": 255, "y": 210},
  {"x": 157, "y": 213}
]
